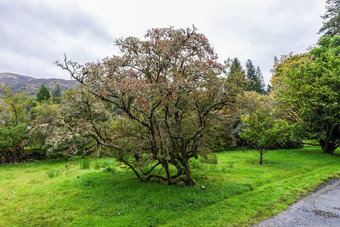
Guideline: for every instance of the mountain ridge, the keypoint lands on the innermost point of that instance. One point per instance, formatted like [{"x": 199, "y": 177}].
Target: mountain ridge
[{"x": 31, "y": 85}]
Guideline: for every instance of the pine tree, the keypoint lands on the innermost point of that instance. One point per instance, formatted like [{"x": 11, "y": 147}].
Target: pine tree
[
  {"x": 43, "y": 94},
  {"x": 56, "y": 94},
  {"x": 262, "y": 85},
  {"x": 255, "y": 78},
  {"x": 236, "y": 67},
  {"x": 331, "y": 24}
]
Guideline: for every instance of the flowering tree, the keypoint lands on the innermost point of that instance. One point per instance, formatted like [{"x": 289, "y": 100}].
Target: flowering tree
[{"x": 168, "y": 87}]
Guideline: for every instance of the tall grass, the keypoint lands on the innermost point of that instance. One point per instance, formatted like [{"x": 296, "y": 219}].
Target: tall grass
[{"x": 85, "y": 163}]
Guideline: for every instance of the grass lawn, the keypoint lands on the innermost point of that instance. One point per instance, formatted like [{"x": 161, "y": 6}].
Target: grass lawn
[{"x": 238, "y": 191}]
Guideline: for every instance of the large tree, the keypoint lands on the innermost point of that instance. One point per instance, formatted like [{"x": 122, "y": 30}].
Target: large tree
[
  {"x": 331, "y": 24},
  {"x": 308, "y": 85},
  {"x": 168, "y": 87}
]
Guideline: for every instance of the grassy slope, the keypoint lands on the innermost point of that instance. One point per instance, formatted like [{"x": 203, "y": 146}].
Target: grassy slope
[{"x": 238, "y": 192}]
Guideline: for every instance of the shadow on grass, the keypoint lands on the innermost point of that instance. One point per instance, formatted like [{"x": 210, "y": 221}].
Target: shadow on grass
[{"x": 119, "y": 199}]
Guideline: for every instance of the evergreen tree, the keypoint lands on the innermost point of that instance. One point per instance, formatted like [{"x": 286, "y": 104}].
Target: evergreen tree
[
  {"x": 262, "y": 86},
  {"x": 255, "y": 78},
  {"x": 236, "y": 67},
  {"x": 56, "y": 94},
  {"x": 43, "y": 94},
  {"x": 268, "y": 89},
  {"x": 331, "y": 24}
]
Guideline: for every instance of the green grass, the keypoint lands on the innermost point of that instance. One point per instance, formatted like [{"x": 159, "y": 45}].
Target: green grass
[{"x": 238, "y": 191}]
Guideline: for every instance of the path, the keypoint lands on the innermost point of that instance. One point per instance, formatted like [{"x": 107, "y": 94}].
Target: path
[{"x": 321, "y": 208}]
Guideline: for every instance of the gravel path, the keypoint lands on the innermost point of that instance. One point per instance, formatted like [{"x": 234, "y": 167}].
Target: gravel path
[{"x": 321, "y": 208}]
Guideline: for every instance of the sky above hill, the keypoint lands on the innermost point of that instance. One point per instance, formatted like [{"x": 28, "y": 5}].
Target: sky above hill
[{"x": 35, "y": 33}]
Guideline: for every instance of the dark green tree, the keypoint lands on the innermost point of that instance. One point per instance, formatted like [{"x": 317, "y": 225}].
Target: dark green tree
[
  {"x": 255, "y": 78},
  {"x": 56, "y": 94},
  {"x": 331, "y": 24},
  {"x": 43, "y": 94},
  {"x": 236, "y": 67},
  {"x": 262, "y": 88}
]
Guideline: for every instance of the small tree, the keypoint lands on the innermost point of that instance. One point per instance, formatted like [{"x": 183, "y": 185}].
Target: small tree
[
  {"x": 168, "y": 87},
  {"x": 263, "y": 132},
  {"x": 56, "y": 94},
  {"x": 43, "y": 94}
]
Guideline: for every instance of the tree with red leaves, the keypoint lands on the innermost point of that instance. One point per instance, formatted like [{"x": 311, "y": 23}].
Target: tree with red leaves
[{"x": 169, "y": 87}]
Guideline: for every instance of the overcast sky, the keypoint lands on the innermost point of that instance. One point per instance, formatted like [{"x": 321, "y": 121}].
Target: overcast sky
[{"x": 34, "y": 33}]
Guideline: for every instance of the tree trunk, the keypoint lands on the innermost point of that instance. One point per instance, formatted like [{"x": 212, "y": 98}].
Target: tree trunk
[
  {"x": 329, "y": 144},
  {"x": 328, "y": 147},
  {"x": 188, "y": 180},
  {"x": 261, "y": 157}
]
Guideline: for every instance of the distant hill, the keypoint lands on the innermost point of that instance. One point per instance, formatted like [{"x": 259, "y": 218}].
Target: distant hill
[{"x": 20, "y": 83}]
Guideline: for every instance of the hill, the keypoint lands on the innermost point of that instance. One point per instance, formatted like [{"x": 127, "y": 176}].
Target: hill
[{"x": 20, "y": 83}]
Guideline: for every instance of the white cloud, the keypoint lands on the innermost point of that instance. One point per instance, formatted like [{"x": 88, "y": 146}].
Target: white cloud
[{"x": 43, "y": 29}]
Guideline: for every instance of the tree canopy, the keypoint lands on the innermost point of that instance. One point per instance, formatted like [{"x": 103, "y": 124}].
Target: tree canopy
[
  {"x": 56, "y": 94},
  {"x": 331, "y": 24},
  {"x": 309, "y": 85},
  {"x": 43, "y": 94},
  {"x": 255, "y": 78},
  {"x": 168, "y": 87}
]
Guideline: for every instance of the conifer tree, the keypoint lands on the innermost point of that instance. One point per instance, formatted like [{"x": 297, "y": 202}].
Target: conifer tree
[
  {"x": 331, "y": 24},
  {"x": 43, "y": 94},
  {"x": 56, "y": 94},
  {"x": 236, "y": 67},
  {"x": 254, "y": 77},
  {"x": 262, "y": 85}
]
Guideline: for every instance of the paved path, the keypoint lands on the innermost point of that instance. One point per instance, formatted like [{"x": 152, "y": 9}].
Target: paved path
[{"x": 321, "y": 208}]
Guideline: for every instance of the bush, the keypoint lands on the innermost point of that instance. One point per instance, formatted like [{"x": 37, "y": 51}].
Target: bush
[{"x": 12, "y": 139}]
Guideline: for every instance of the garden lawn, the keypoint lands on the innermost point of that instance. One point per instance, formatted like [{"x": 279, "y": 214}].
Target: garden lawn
[{"x": 238, "y": 191}]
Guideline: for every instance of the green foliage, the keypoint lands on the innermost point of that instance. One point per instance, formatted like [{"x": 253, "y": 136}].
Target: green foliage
[
  {"x": 52, "y": 173},
  {"x": 331, "y": 24},
  {"x": 109, "y": 169},
  {"x": 13, "y": 118},
  {"x": 263, "y": 129},
  {"x": 13, "y": 107},
  {"x": 236, "y": 67},
  {"x": 255, "y": 78},
  {"x": 85, "y": 163},
  {"x": 100, "y": 164},
  {"x": 310, "y": 86},
  {"x": 218, "y": 137},
  {"x": 12, "y": 140},
  {"x": 263, "y": 132},
  {"x": 43, "y": 94},
  {"x": 56, "y": 94}
]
